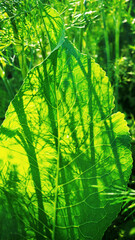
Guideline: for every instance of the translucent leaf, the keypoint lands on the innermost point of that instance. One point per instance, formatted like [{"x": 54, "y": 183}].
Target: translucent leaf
[{"x": 67, "y": 148}]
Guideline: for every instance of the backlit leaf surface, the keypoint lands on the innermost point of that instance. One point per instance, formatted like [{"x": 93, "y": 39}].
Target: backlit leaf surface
[{"x": 67, "y": 148}]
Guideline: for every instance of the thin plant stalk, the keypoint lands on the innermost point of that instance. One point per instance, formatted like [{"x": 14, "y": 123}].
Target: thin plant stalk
[
  {"x": 19, "y": 44},
  {"x": 8, "y": 87},
  {"x": 117, "y": 51},
  {"x": 81, "y": 30},
  {"x": 106, "y": 39}
]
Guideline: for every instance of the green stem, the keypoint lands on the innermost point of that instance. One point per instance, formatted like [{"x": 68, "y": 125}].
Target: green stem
[
  {"x": 57, "y": 176},
  {"x": 19, "y": 46},
  {"x": 81, "y": 30},
  {"x": 106, "y": 38},
  {"x": 117, "y": 49},
  {"x": 8, "y": 87},
  {"x": 107, "y": 47}
]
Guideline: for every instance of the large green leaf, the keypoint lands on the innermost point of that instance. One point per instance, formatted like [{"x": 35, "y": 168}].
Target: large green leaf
[{"x": 67, "y": 148}]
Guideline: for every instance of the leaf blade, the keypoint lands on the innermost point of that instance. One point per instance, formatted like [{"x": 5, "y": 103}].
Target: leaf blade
[{"x": 65, "y": 131}]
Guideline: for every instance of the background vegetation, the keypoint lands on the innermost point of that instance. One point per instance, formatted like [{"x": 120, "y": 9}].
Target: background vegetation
[{"x": 103, "y": 29}]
